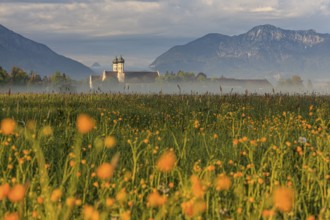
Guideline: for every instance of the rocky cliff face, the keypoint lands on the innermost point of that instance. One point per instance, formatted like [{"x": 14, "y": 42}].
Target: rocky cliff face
[
  {"x": 16, "y": 50},
  {"x": 263, "y": 50}
]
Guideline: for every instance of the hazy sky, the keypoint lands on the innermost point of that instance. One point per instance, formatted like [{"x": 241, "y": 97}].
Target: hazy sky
[{"x": 140, "y": 30}]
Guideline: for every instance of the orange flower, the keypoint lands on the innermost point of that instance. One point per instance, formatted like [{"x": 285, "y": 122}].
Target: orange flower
[
  {"x": 245, "y": 139},
  {"x": 156, "y": 200},
  {"x": 105, "y": 171},
  {"x": 253, "y": 143},
  {"x": 187, "y": 208},
  {"x": 8, "y": 126},
  {"x": 196, "y": 187},
  {"x": 11, "y": 216},
  {"x": 121, "y": 195},
  {"x": 125, "y": 215},
  {"x": 56, "y": 195},
  {"x": 211, "y": 168},
  {"x": 70, "y": 201},
  {"x": 85, "y": 123},
  {"x": 222, "y": 182},
  {"x": 47, "y": 131},
  {"x": 311, "y": 217},
  {"x": 166, "y": 162},
  {"x": 90, "y": 213},
  {"x": 260, "y": 181},
  {"x": 196, "y": 124},
  {"x": 17, "y": 193},
  {"x": 110, "y": 141},
  {"x": 193, "y": 208},
  {"x": 109, "y": 202},
  {"x": 283, "y": 198},
  {"x": 4, "y": 190},
  {"x": 40, "y": 200},
  {"x": 235, "y": 141},
  {"x": 267, "y": 213}
]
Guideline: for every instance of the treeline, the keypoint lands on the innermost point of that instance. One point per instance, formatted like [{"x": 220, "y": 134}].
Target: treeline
[
  {"x": 19, "y": 77},
  {"x": 182, "y": 76},
  {"x": 295, "y": 81}
]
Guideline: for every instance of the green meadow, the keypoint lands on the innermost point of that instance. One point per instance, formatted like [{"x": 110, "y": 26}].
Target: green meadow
[{"x": 117, "y": 156}]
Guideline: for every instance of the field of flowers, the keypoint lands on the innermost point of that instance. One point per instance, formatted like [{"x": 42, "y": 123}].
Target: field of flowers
[{"x": 115, "y": 156}]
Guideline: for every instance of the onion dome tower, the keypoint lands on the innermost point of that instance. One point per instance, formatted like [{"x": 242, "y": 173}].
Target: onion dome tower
[
  {"x": 115, "y": 65},
  {"x": 120, "y": 69}
]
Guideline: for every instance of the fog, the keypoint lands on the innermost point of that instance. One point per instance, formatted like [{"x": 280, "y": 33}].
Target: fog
[{"x": 195, "y": 88}]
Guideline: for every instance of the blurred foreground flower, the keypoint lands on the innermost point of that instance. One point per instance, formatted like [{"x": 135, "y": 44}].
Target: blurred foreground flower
[
  {"x": 56, "y": 195},
  {"x": 193, "y": 208},
  {"x": 283, "y": 198},
  {"x": 105, "y": 171},
  {"x": 17, "y": 193},
  {"x": 8, "y": 126},
  {"x": 85, "y": 123},
  {"x": 110, "y": 141},
  {"x": 121, "y": 196},
  {"x": 222, "y": 182},
  {"x": 4, "y": 190},
  {"x": 90, "y": 213},
  {"x": 196, "y": 187},
  {"x": 11, "y": 216},
  {"x": 47, "y": 131},
  {"x": 267, "y": 213},
  {"x": 166, "y": 162},
  {"x": 155, "y": 199},
  {"x": 125, "y": 215}
]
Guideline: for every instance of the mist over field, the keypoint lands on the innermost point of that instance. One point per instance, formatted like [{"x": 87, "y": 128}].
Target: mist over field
[
  {"x": 161, "y": 88},
  {"x": 164, "y": 109}
]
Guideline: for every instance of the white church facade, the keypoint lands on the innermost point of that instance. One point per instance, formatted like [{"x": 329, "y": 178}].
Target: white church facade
[{"x": 118, "y": 72}]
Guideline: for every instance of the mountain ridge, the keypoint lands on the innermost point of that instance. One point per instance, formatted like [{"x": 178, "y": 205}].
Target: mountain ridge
[
  {"x": 17, "y": 50},
  {"x": 262, "y": 51}
]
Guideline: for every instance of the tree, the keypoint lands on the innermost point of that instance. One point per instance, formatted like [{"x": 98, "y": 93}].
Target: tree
[
  {"x": 34, "y": 78},
  {"x": 45, "y": 79},
  {"x": 185, "y": 76},
  {"x": 58, "y": 78},
  {"x": 201, "y": 76},
  {"x": 18, "y": 76},
  {"x": 4, "y": 76},
  {"x": 297, "y": 81}
]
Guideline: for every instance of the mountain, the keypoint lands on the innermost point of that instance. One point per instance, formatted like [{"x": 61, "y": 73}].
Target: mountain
[
  {"x": 263, "y": 51},
  {"x": 16, "y": 50},
  {"x": 96, "y": 65}
]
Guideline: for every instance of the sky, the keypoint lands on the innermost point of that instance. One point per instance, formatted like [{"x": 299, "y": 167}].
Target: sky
[{"x": 140, "y": 30}]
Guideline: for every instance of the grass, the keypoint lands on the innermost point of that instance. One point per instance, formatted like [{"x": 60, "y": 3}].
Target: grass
[{"x": 166, "y": 156}]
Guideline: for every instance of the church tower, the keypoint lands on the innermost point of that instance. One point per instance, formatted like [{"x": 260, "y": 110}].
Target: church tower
[
  {"x": 115, "y": 65},
  {"x": 120, "y": 69}
]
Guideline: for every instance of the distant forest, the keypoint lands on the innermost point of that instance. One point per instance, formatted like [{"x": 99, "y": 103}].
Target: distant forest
[{"x": 19, "y": 77}]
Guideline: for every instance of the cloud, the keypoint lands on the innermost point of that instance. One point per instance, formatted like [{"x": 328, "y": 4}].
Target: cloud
[
  {"x": 154, "y": 17},
  {"x": 164, "y": 17},
  {"x": 99, "y": 19},
  {"x": 136, "y": 0},
  {"x": 263, "y": 9},
  {"x": 45, "y": 1}
]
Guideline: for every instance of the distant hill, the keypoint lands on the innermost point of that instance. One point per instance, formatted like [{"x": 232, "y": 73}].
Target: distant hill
[
  {"x": 264, "y": 50},
  {"x": 16, "y": 50},
  {"x": 96, "y": 65}
]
